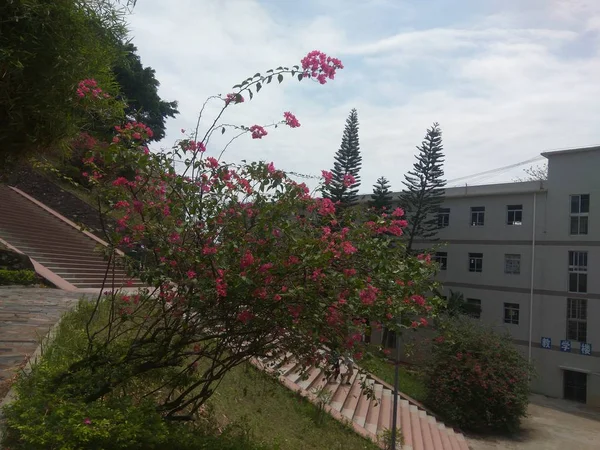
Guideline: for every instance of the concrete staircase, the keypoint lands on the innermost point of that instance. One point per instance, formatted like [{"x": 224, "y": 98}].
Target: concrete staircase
[
  {"x": 61, "y": 253},
  {"x": 369, "y": 417}
]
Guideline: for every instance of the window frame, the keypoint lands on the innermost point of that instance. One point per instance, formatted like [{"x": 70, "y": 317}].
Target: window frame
[
  {"x": 479, "y": 213},
  {"x": 509, "y": 257},
  {"x": 577, "y": 271},
  {"x": 574, "y": 314},
  {"x": 581, "y": 217},
  {"x": 474, "y": 308},
  {"x": 511, "y": 310},
  {"x": 475, "y": 257},
  {"x": 443, "y": 217},
  {"x": 442, "y": 259},
  {"x": 514, "y": 210}
]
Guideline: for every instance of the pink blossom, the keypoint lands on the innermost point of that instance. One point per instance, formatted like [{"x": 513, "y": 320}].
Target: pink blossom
[
  {"x": 348, "y": 248},
  {"x": 265, "y": 267},
  {"x": 121, "y": 204},
  {"x": 418, "y": 299},
  {"x": 291, "y": 120},
  {"x": 398, "y": 212},
  {"x": 182, "y": 130},
  {"x": 221, "y": 286},
  {"x": 247, "y": 259},
  {"x": 137, "y": 135},
  {"x": 235, "y": 98},
  {"x": 191, "y": 274},
  {"x": 277, "y": 297},
  {"x": 121, "y": 181},
  {"x": 87, "y": 421},
  {"x": 212, "y": 162},
  {"x": 349, "y": 272},
  {"x": 328, "y": 176},
  {"x": 258, "y": 132},
  {"x": 326, "y": 206},
  {"x": 271, "y": 167},
  {"x": 423, "y": 321},
  {"x": 368, "y": 295},
  {"x": 349, "y": 180},
  {"x": 115, "y": 140},
  {"x": 209, "y": 250},
  {"x": 320, "y": 66},
  {"x": 245, "y": 316},
  {"x": 414, "y": 324}
]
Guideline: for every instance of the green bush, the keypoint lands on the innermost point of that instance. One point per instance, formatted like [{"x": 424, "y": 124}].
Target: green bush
[
  {"x": 476, "y": 378},
  {"x": 21, "y": 277}
]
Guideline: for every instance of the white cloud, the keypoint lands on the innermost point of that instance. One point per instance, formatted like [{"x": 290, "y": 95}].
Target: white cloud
[{"x": 502, "y": 89}]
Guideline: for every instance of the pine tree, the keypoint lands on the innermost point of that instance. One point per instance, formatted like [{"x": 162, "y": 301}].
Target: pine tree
[
  {"x": 382, "y": 196},
  {"x": 424, "y": 188},
  {"x": 345, "y": 182}
]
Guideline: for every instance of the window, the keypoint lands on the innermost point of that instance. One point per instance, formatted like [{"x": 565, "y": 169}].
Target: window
[
  {"x": 512, "y": 264},
  {"x": 577, "y": 319},
  {"x": 477, "y": 216},
  {"x": 577, "y": 271},
  {"x": 580, "y": 209},
  {"x": 514, "y": 214},
  {"x": 442, "y": 259},
  {"x": 475, "y": 262},
  {"x": 511, "y": 313},
  {"x": 473, "y": 308},
  {"x": 575, "y": 386},
  {"x": 443, "y": 217}
]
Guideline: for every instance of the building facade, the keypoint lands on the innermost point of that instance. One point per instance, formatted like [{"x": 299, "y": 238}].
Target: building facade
[{"x": 527, "y": 257}]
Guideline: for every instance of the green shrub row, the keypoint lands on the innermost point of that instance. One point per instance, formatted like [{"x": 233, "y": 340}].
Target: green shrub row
[{"x": 20, "y": 277}]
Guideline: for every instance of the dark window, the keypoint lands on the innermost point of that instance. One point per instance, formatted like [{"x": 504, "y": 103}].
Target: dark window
[
  {"x": 475, "y": 262},
  {"x": 512, "y": 264},
  {"x": 388, "y": 339},
  {"x": 443, "y": 217},
  {"x": 511, "y": 313},
  {"x": 514, "y": 214},
  {"x": 580, "y": 209},
  {"x": 575, "y": 386},
  {"x": 577, "y": 319},
  {"x": 473, "y": 308},
  {"x": 442, "y": 259},
  {"x": 577, "y": 271},
  {"x": 477, "y": 216}
]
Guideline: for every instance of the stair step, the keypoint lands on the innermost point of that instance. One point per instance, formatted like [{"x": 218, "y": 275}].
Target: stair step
[
  {"x": 360, "y": 413},
  {"x": 353, "y": 397},
  {"x": 385, "y": 411},
  {"x": 342, "y": 391},
  {"x": 374, "y": 409}
]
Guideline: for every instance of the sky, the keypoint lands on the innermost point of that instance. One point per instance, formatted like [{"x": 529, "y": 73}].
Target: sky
[{"x": 505, "y": 79}]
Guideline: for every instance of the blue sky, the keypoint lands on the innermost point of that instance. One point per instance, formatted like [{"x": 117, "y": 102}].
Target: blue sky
[{"x": 506, "y": 79}]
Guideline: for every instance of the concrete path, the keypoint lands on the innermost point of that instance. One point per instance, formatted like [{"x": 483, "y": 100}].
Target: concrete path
[
  {"x": 553, "y": 424},
  {"x": 26, "y": 316}
]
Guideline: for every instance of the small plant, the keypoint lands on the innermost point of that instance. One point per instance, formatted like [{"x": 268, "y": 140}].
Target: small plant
[
  {"x": 476, "y": 378},
  {"x": 323, "y": 398},
  {"x": 385, "y": 438}
]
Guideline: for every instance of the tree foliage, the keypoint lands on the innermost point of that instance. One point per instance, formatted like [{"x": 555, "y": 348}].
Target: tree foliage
[
  {"x": 343, "y": 187},
  {"x": 477, "y": 378},
  {"x": 535, "y": 173},
  {"x": 46, "y": 48},
  {"x": 424, "y": 188},
  {"x": 139, "y": 88},
  {"x": 381, "y": 199}
]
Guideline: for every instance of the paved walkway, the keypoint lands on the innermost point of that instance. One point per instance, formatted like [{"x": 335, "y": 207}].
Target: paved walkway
[
  {"x": 26, "y": 316},
  {"x": 553, "y": 424}
]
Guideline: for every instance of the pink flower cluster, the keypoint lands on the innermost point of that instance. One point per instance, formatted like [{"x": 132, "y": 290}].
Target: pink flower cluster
[
  {"x": 349, "y": 180},
  {"x": 327, "y": 176},
  {"x": 257, "y": 132},
  {"x": 235, "y": 98},
  {"x": 193, "y": 146},
  {"x": 291, "y": 120},
  {"x": 320, "y": 66},
  {"x": 89, "y": 87},
  {"x": 133, "y": 130}
]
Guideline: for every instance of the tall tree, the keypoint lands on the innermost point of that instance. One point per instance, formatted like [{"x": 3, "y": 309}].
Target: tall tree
[
  {"x": 424, "y": 188},
  {"x": 382, "y": 196},
  {"x": 535, "y": 173},
  {"x": 347, "y": 164},
  {"x": 139, "y": 88}
]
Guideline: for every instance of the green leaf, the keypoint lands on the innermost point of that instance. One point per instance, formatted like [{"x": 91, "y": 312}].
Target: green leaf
[
  {"x": 238, "y": 98},
  {"x": 269, "y": 79},
  {"x": 270, "y": 71},
  {"x": 300, "y": 77},
  {"x": 236, "y": 86},
  {"x": 223, "y": 130},
  {"x": 258, "y": 86},
  {"x": 296, "y": 67},
  {"x": 250, "y": 94},
  {"x": 280, "y": 78},
  {"x": 279, "y": 68},
  {"x": 257, "y": 74}
]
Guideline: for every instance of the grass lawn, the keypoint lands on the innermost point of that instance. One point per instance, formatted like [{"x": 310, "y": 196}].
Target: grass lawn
[
  {"x": 411, "y": 382},
  {"x": 276, "y": 417}
]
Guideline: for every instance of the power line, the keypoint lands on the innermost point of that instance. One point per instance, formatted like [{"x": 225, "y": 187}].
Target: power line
[{"x": 499, "y": 169}]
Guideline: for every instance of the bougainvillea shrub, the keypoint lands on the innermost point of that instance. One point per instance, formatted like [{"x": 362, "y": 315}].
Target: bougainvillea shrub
[
  {"x": 476, "y": 377},
  {"x": 240, "y": 260}
]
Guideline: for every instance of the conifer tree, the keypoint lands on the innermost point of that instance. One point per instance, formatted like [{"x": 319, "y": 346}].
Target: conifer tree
[
  {"x": 343, "y": 187},
  {"x": 382, "y": 196},
  {"x": 424, "y": 188}
]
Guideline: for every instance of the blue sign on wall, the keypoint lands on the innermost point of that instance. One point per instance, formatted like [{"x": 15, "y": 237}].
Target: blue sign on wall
[
  {"x": 585, "y": 349},
  {"x": 565, "y": 346},
  {"x": 546, "y": 342}
]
